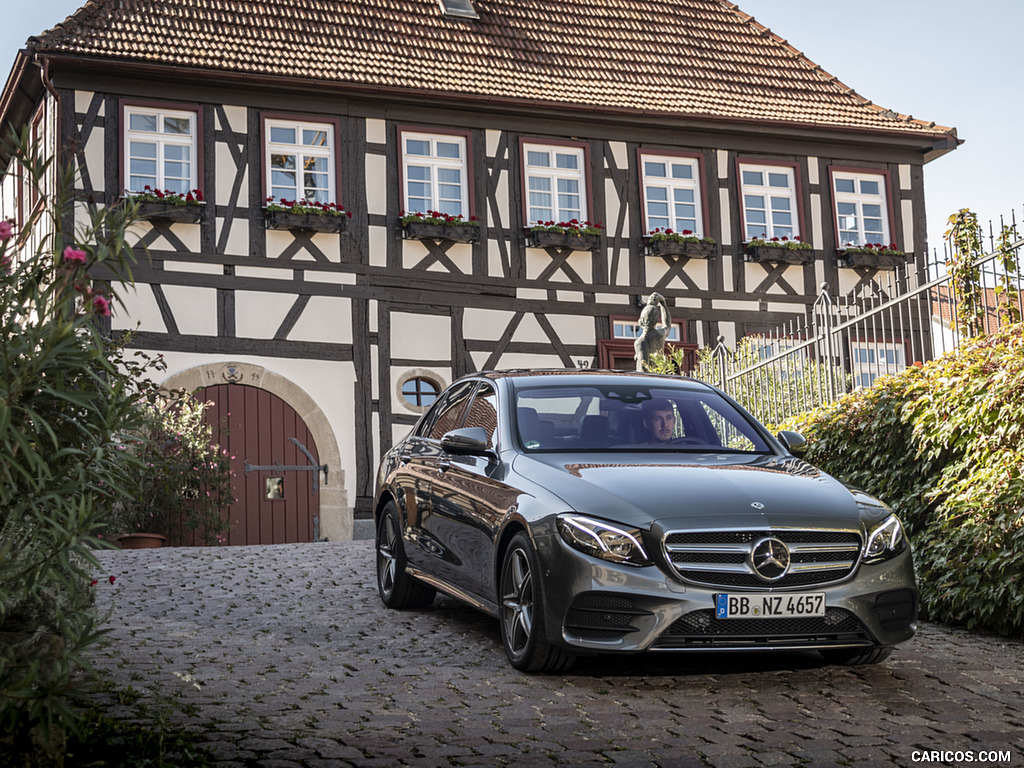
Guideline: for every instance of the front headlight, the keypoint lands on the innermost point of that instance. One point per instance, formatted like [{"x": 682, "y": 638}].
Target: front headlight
[
  {"x": 885, "y": 540},
  {"x": 593, "y": 537}
]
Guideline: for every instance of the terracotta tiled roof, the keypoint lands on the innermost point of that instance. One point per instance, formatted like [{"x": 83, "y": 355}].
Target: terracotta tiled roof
[
  {"x": 704, "y": 58},
  {"x": 996, "y": 308}
]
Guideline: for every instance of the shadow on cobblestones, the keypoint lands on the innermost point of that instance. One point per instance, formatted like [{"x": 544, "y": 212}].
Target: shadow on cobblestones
[{"x": 300, "y": 666}]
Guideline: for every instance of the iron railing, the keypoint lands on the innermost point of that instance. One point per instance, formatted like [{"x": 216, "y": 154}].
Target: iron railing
[{"x": 846, "y": 342}]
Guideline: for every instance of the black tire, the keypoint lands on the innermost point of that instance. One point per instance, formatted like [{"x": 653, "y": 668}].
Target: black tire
[
  {"x": 397, "y": 588},
  {"x": 855, "y": 657},
  {"x": 522, "y": 612}
]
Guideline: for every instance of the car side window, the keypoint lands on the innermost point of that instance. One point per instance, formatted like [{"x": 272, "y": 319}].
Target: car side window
[
  {"x": 448, "y": 413},
  {"x": 484, "y": 412}
]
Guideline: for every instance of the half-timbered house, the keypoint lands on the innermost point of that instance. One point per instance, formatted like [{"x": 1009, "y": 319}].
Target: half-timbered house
[{"x": 325, "y": 337}]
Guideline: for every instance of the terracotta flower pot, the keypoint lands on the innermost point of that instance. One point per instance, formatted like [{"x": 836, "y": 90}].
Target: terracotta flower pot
[{"x": 141, "y": 540}]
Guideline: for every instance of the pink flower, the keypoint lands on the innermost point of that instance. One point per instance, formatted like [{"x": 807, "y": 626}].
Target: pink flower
[
  {"x": 112, "y": 579},
  {"x": 101, "y": 306},
  {"x": 75, "y": 256},
  {"x": 6, "y": 230}
]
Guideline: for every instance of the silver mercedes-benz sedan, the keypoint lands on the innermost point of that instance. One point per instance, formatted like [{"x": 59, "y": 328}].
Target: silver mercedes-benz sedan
[{"x": 601, "y": 512}]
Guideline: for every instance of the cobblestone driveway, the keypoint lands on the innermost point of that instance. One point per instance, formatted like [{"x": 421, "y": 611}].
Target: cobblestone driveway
[{"x": 299, "y": 664}]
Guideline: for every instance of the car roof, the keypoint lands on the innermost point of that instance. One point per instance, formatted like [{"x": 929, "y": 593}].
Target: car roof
[{"x": 582, "y": 377}]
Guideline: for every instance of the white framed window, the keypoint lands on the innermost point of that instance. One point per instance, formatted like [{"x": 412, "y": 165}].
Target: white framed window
[
  {"x": 768, "y": 194},
  {"x": 871, "y": 359},
  {"x": 555, "y": 181},
  {"x": 161, "y": 149},
  {"x": 671, "y": 194},
  {"x": 630, "y": 329},
  {"x": 435, "y": 173},
  {"x": 861, "y": 209},
  {"x": 300, "y": 160}
]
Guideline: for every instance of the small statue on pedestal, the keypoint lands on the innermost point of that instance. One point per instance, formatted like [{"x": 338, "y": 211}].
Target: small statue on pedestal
[{"x": 652, "y": 332}]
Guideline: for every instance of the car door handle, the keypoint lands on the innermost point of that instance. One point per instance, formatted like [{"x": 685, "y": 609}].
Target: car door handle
[{"x": 443, "y": 465}]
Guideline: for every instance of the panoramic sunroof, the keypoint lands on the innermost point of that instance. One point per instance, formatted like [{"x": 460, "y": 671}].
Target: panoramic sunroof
[{"x": 463, "y": 8}]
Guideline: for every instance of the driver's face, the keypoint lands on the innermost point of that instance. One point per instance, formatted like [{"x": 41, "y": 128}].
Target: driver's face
[{"x": 662, "y": 425}]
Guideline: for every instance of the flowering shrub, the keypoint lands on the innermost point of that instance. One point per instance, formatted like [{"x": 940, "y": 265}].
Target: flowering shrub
[
  {"x": 573, "y": 227},
  {"x": 180, "y": 482},
  {"x": 794, "y": 244},
  {"x": 888, "y": 250},
  {"x": 686, "y": 236},
  {"x": 64, "y": 399},
  {"x": 150, "y": 195},
  {"x": 314, "y": 207},
  {"x": 436, "y": 217}
]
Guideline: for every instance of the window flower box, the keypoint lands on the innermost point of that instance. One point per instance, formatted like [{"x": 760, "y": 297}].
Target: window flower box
[
  {"x": 876, "y": 257},
  {"x": 456, "y": 233},
  {"x": 564, "y": 240},
  {"x": 166, "y": 211},
  {"x": 164, "y": 205},
  {"x": 305, "y": 215},
  {"x": 305, "y": 222},
  {"x": 434, "y": 225},
  {"x": 689, "y": 247},
  {"x": 779, "y": 251}
]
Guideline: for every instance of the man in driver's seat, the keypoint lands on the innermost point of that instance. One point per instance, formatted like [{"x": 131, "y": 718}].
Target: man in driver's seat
[{"x": 659, "y": 419}]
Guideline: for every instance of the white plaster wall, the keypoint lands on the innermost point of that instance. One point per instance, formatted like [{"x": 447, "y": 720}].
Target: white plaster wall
[
  {"x": 461, "y": 254},
  {"x": 376, "y": 131},
  {"x": 139, "y": 307},
  {"x": 259, "y": 314},
  {"x": 325, "y": 318},
  {"x": 420, "y": 336},
  {"x": 376, "y": 186},
  {"x": 537, "y": 260},
  {"x": 194, "y": 309}
]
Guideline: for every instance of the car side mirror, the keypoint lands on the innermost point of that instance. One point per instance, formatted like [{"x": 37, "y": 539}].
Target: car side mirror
[
  {"x": 794, "y": 442},
  {"x": 469, "y": 441}
]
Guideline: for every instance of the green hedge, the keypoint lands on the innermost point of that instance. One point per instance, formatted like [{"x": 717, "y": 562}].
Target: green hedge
[{"x": 943, "y": 444}]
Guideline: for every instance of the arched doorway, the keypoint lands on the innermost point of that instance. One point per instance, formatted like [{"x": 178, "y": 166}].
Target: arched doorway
[{"x": 276, "y": 485}]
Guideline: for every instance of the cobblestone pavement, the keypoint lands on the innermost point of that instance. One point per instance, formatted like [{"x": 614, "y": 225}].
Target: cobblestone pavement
[{"x": 298, "y": 664}]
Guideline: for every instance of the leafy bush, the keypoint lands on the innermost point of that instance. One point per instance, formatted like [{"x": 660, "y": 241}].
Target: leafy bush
[
  {"x": 63, "y": 403},
  {"x": 942, "y": 444}
]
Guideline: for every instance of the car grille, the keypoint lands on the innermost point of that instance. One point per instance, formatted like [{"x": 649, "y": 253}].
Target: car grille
[
  {"x": 722, "y": 558},
  {"x": 597, "y": 616},
  {"x": 702, "y": 629}
]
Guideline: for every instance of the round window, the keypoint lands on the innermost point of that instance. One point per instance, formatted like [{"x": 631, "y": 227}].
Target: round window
[{"x": 420, "y": 391}]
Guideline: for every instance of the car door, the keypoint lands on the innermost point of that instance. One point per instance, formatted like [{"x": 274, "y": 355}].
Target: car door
[
  {"x": 469, "y": 500},
  {"x": 419, "y": 457}
]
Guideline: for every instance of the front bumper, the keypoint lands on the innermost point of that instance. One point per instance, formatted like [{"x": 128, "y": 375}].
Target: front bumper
[{"x": 593, "y": 606}]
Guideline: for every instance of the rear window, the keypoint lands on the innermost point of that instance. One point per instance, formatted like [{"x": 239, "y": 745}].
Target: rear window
[{"x": 644, "y": 418}]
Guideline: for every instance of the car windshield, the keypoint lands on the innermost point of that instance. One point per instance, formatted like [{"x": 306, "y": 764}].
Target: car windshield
[{"x": 656, "y": 417}]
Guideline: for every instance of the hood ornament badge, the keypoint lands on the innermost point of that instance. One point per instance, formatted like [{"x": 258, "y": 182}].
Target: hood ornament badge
[{"x": 757, "y": 505}]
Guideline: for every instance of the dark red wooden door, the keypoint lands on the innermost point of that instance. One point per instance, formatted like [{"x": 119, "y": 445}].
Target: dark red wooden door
[{"x": 274, "y": 506}]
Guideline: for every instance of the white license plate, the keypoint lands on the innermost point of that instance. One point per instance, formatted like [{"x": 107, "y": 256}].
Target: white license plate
[{"x": 747, "y": 606}]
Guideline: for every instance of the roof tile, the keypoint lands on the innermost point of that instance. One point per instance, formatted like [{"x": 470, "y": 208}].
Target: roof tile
[{"x": 704, "y": 58}]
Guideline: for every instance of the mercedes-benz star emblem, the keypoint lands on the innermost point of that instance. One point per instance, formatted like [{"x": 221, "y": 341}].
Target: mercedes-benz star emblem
[
  {"x": 757, "y": 505},
  {"x": 770, "y": 559}
]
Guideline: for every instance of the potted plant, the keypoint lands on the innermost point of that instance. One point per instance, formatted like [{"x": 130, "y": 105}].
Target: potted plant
[
  {"x": 306, "y": 215},
  {"x": 575, "y": 234},
  {"x": 871, "y": 255},
  {"x": 779, "y": 249},
  {"x": 165, "y": 205},
  {"x": 178, "y": 482},
  {"x": 666, "y": 242},
  {"x": 434, "y": 225}
]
